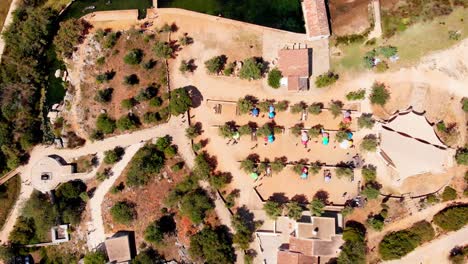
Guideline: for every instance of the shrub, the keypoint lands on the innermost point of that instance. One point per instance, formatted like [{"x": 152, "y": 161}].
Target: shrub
[
  {"x": 104, "y": 96},
  {"x": 163, "y": 50},
  {"x": 229, "y": 69},
  {"x": 432, "y": 199},
  {"x": 133, "y": 57},
  {"x": 192, "y": 131},
  {"x": 123, "y": 213},
  {"x": 110, "y": 40},
  {"x": 452, "y": 218},
  {"x": 341, "y": 136},
  {"x": 180, "y": 101},
  {"x": 101, "y": 61},
  {"x": 298, "y": 108},
  {"x": 226, "y": 131},
  {"x": 462, "y": 156},
  {"x": 379, "y": 94},
  {"x": 369, "y": 172},
  {"x": 381, "y": 66},
  {"x": 376, "y": 222},
  {"x": 356, "y": 95},
  {"x": 297, "y": 129},
  {"x": 336, "y": 108},
  {"x": 202, "y": 168},
  {"x": 244, "y": 105},
  {"x": 315, "y": 108},
  {"x": 326, "y": 79},
  {"x": 146, "y": 163},
  {"x": 185, "y": 40},
  {"x": 315, "y": 131},
  {"x": 281, "y": 106},
  {"x": 344, "y": 172},
  {"x": 277, "y": 165},
  {"x": 294, "y": 210},
  {"x": 465, "y": 104},
  {"x": 449, "y": 194},
  {"x": 185, "y": 66},
  {"x": 387, "y": 51},
  {"x": 273, "y": 209},
  {"x": 105, "y": 124},
  {"x": 170, "y": 152},
  {"x": 128, "y": 122},
  {"x": 156, "y": 102},
  {"x": 113, "y": 155},
  {"x": 370, "y": 192},
  {"x": 274, "y": 77},
  {"x": 131, "y": 79},
  {"x": 316, "y": 207},
  {"x": 96, "y": 257},
  {"x": 219, "y": 181},
  {"x": 155, "y": 231},
  {"x": 315, "y": 167},
  {"x": 247, "y": 165},
  {"x": 127, "y": 103},
  {"x": 251, "y": 69},
  {"x": 369, "y": 143},
  {"x": 215, "y": 64},
  {"x": 366, "y": 121}
]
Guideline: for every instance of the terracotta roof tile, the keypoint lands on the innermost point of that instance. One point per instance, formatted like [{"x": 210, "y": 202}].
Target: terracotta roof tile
[
  {"x": 304, "y": 246},
  {"x": 316, "y": 18},
  {"x": 287, "y": 257},
  {"x": 294, "y": 62}
]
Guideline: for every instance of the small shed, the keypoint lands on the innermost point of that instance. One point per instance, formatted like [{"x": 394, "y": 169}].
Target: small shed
[{"x": 119, "y": 249}]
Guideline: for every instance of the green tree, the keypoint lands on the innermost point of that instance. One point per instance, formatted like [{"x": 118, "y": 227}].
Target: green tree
[
  {"x": 449, "y": 194},
  {"x": 294, "y": 210},
  {"x": 128, "y": 103},
  {"x": 104, "y": 96},
  {"x": 202, "y": 168},
  {"x": 148, "y": 256},
  {"x": 248, "y": 165},
  {"x": 369, "y": 143},
  {"x": 244, "y": 105},
  {"x": 96, "y": 257},
  {"x": 180, "y": 101},
  {"x": 366, "y": 121},
  {"x": 336, "y": 108},
  {"x": 315, "y": 108},
  {"x": 379, "y": 94},
  {"x": 326, "y": 79},
  {"x": 274, "y": 78},
  {"x": 123, "y": 213},
  {"x": 146, "y": 163},
  {"x": 244, "y": 226},
  {"x": 356, "y": 95},
  {"x": 464, "y": 103},
  {"x": 68, "y": 36},
  {"x": 163, "y": 50},
  {"x": 462, "y": 156},
  {"x": 273, "y": 209},
  {"x": 215, "y": 64},
  {"x": 154, "y": 233},
  {"x": 113, "y": 155},
  {"x": 105, "y": 124},
  {"x": 354, "y": 248},
  {"x": 344, "y": 172},
  {"x": 23, "y": 232},
  {"x": 369, "y": 172},
  {"x": 316, "y": 207},
  {"x": 452, "y": 218},
  {"x": 387, "y": 51},
  {"x": 185, "y": 66},
  {"x": 370, "y": 192},
  {"x": 251, "y": 69},
  {"x": 127, "y": 122},
  {"x": 133, "y": 57},
  {"x": 195, "y": 205},
  {"x": 212, "y": 246}
]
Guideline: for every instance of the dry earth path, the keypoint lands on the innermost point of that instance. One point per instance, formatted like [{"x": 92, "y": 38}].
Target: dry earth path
[{"x": 8, "y": 20}]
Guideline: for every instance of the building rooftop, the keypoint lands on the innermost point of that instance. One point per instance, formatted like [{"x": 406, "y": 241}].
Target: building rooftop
[
  {"x": 319, "y": 228},
  {"x": 316, "y": 18},
  {"x": 118, "y": 249},
  {"x": 287, "y": 257},
  {"x": 294, "y": 62}
]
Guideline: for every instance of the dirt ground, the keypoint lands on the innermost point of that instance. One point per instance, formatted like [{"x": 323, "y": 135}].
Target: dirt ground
[
  {"x": 349, "y": 17},
  {"x": 148, "y": 201}
]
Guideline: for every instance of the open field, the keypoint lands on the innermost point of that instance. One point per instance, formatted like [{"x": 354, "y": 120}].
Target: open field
[
  {"x": 4, "y": 7},
  {"x": 413, "y": 43},
  {"x": 349, "y": 17}
]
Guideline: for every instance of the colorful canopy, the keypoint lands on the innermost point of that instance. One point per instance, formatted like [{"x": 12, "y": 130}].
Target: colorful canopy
[
  {"x": 271, "y": 138},
  {"x": 255, "y": 111},
  {"x": 271, "y": 115},
  {"x": 325, "y": 140},
  {"x": 254, "y": 175},
  {"x": 271, "y": 109}
]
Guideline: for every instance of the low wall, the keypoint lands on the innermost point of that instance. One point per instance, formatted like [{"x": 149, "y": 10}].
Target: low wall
[{"x": 113, "y": 15}]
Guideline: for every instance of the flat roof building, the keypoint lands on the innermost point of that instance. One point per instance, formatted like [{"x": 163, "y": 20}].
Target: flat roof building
[{"x": 119, "y": 249}]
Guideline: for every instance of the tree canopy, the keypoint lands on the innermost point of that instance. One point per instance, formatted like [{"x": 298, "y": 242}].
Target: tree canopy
[
  {"x": 212, "y": 246},
  {"x": 180, "y": 101},
  {"x": 68, "y": 36}
]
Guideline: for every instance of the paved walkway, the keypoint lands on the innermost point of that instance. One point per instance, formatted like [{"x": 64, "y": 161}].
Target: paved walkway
[
  {"x": 175, "y": 127},
  {"x": 436, "y": 251},
  {"x": 8, "y": 20},
  {"x": 96, "y": 234},
  {"x": 377, "y": 31}
]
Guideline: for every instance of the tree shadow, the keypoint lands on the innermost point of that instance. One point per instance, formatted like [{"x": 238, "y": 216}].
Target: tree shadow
[
  {"x": 356, "y": 225},
  {"x": 279, "y": 198},
  {"x": 300, "y": 198},
  {"x": 322, "y": 196},
  {"x": 195, "y": 95},
  {"x": 254, "y": 157}
]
